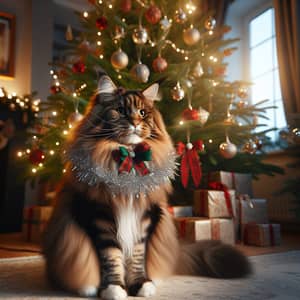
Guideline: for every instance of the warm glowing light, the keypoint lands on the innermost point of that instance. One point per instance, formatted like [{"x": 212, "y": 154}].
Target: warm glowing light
[
  {"x": 101, "y": 56},
  {"x": 9, "y": 96},
  {"x": 54, "y": 113},
  {"x": 74, "y": 94},
  {"x": 110, "y": 6},
  {"x": 65, "y": 132},
  {"x": 40, "y": 164},
  {"x": 1, "y": 93},
  {"x": 34, "y": 170},
  {"x": 54, "y": 76},
  {"x": 36, "y": 102},
  {"x": 20, "y": 154},
  {"x": 14, "y": 94},
  {"x": 27, "y": 151},
  {"x": 57, "y": 143},
  {"x": 85, "y": 14},
  {"x": 34, "y": 137},
  {"x": 186, "y": 58},
  {"x": 64, "y": 170},
  {"x": 211, "y": 32},
  {"x": 100, "y": 1},
  {"x": 181, "y": 122},
  {"x": 99, "y": 43},
  {"x": 119, "y": 76},
  {"x": 51, "y": 152},
  {"x": 190, "y": 7},
  {"x": 57, "y": 83},
  {"x": 22, "y": 104},
  {"x": 99, "y": 33},
  {"x": 210, "y": 141},
  {"x": 51, "y": 72},
  {"x": 43, "y": 156}
]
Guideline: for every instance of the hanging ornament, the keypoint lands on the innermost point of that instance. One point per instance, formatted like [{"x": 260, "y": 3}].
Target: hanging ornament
[
  {"x": 55, "y": 89},
  {"x": 242, "y": 92},
  {"x": 250, "y": 147},
  {"x": 191, "y": 36},
  {"x": 36, "y": 156},
  {"x": 220, "y": 71},
  {"x": 140, "y": 35},
  {"x": 198, "y": 70},
  {"x": 78, "y": 67},
  {"x": 119, "y": 59},
  {"x": 74, "y": 118},
  {"x": 165, "y": 23},
  {"x": 140, "y": 72},
  {"x": 69, "y": 33},
  {"x": 159, "y": 64},
  {"x": 101, "y": 23},
  {"x": 85, "y": 46},
  {"x": 227, "y": 52},
  {"x": 203, "y": 115},
  {"x": 190, "y": 162},
  {"x": 210, "y": 23},
  {"x": 190, "y": 114},
  {"x": 258, "y": 142},
  {"x": 227, "y": 149},
  {"x": 242, "y": 104},
  {"x": 125, "y": 6},
  {"x": 177, "y": 92},
  {"x": 119, "y": 33},
  {"x": 153, "y": 14},
  {"x": 180, "y": 16}
]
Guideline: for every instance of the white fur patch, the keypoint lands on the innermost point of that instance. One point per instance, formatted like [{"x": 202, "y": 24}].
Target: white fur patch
[
  {"x": 132, "y": 138},
  {"x": 113, "y": 292},
  {"x": 129, "y": 230},
  {"x": 88, "y": 291},
  {"x": 148, "y": 289}
]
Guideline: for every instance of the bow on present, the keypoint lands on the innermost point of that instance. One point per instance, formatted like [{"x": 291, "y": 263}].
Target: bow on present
[
  {"x": 135, "y": 159},
  {"x": 222, "y": 187},
  {"x": 190, "y": 162}
]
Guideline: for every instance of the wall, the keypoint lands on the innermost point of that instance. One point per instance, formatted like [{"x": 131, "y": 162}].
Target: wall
[{"x": 21, "y": 82}]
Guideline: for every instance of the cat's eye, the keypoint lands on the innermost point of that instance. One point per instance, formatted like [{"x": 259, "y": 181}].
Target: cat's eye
[{"x": 142, "y": 112}]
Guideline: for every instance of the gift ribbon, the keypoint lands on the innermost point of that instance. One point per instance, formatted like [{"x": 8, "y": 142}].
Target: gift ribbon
[
  {"x": 222, "y": 187},
  {"x": 133, "y": 160},
  {"x": 182, "y": 228},
  {"x": 190, "y": 162},
  {"x": 215, "y": 229}
]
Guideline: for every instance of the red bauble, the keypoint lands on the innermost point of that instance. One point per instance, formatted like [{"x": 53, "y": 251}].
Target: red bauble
[
  {"x": 227, "y": 52},
  {"x": 36, "y": 156},
  {"x": 101, "y": 23},
  {"x": 159, "y": 64},
  {"x": 78, "y": 67},
  {"x": 190, "y": 114},
  {"x": 125, "y": 6},
  {"x": 153, "y": 14},
  {"x": 55, "y": 89}
]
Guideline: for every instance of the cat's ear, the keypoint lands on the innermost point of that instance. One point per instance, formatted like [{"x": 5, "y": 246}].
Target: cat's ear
[
  {"x": 105, "y": 85},
  {"x": 151, "y": 92}
]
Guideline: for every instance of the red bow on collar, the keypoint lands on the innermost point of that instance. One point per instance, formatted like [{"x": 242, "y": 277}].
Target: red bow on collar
[{"x": 190, "y": 162}]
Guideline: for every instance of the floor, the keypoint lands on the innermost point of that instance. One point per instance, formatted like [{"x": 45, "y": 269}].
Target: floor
[{"x": 13, "y": 245}]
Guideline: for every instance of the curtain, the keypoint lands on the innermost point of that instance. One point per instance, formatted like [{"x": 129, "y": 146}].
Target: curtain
[
  {"x": 220, "y": 8},
  {"x": 287, "y": 22}
]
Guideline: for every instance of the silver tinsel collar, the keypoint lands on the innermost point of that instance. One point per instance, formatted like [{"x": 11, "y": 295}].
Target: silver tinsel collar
[{"x": 125, "y": 183}]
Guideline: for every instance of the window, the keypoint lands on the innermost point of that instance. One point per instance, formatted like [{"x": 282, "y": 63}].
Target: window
[{"x": 264, "y": 68}]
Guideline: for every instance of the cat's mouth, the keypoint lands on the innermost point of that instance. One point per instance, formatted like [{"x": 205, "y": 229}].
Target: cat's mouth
[{"x": 131, "y": 138}]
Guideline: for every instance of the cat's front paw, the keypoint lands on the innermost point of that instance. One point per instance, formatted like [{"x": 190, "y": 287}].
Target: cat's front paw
[
  {"x": 88, "y": 291},
  {"x": 148, "y": 289},
  {"x": 113, "y": 292}
]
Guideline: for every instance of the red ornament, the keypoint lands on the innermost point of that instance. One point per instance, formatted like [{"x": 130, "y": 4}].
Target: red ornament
[
  {"x": 227, "y": 52},
  {"x": 55, "y": 89},
  {"x": 36, "y": 156},
  {"x": 153, "y": 14},
  {"x": 190, "y": 114},
  {"x": 126, "y": 6},
  {"x": 159, "y": 64},
  {"x": 78, "y": 67},
  {"x": 101, "y": 23}
]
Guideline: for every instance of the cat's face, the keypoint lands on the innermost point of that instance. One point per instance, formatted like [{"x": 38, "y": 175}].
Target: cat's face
[{"x": 126, "y": 117}]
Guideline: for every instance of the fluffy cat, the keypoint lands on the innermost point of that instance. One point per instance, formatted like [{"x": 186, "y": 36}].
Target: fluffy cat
[{"x": 111, "y": 233}]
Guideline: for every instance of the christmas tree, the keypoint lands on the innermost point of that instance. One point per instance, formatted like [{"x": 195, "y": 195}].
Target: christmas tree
[{"x": 140, "y": 42}]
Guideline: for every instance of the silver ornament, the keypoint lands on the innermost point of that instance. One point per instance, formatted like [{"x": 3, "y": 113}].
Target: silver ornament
[
  {"x": 140, "y": 36},
  {"x": 191, "y": 36},
  {"x": 165, "y": 23},
  {"x": 180, "y": 16},
  {"x": 203, "y": 115},
  {"x": 198, "y": 70},
  {"x": 227, "y": 149},
  {"x": 210, "y": 23},
  {"x": 250, "y": 147},
  {"x": 74, "y": 118},
  {"x": 119, "y": 59},
  {"x": 140, "y": 72},
  {"x": 177, "y": 92}
]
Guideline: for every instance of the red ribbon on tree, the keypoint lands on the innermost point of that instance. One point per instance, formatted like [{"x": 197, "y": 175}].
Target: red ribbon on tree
[
  {"x": 190, "y": 162},
  {"x": 222, "y": 187}
]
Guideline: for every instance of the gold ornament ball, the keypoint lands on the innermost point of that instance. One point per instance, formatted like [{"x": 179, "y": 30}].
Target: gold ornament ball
[
  {"x": 177, "y": 92},
  {"x": 210, "y": 23},
  {"x": 140, "y": 36},
  {"x": 140, "y": 72},
  {"x": 227, "y": 149},
  {"x": 250, "y": 147},
  {"x": 191, "y": 36},
  {"x": 119, "y": 59}
]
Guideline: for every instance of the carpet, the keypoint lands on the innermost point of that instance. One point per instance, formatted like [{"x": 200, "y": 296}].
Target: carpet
[{"x": 276, "y": 276}]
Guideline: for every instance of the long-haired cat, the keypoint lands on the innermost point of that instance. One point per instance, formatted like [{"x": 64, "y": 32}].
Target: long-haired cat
[{"x": 111, "y": 233}]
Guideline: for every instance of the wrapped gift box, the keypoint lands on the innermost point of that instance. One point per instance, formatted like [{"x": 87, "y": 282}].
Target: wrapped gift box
[
  {"x": 181, "y": 211},
  {"x": 35, "y": 219},
  {"x": 240, "y": 182},
  {"x": 262, "y": 234},
  {"x": 214, "y": 204},
  {"x": 196, "y": 229}
]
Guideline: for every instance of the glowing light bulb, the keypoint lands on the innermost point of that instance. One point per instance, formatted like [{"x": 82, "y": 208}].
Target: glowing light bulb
[
  {"x": 27, "y": 151},
  {"x": 85, "y": 14},
  {"x": 54, "y": 113},
  {"x": 41, "y": 165},
  {"x": 210, "y": 141},
  {"x": 20, "y": 154},
  {"x": 34, "y": 170},
  {"x": 181, "y": 122},
  {"x": 57, "y": 143},
  {"x": 51, "y": 152},
  {"x": 51, "y": 72}
]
